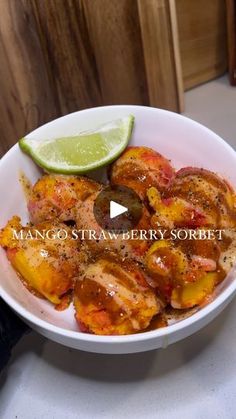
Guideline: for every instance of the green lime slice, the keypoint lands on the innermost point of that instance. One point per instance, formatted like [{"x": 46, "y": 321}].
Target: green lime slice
[{"x": 83, "y": 152}]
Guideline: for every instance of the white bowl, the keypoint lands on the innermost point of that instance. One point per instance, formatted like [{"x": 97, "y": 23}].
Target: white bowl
[{"x": 182, "y": 140}]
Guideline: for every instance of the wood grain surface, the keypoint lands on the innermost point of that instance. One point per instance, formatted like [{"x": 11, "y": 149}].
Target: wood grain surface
[
  {"x": 159, "y": 54},
  {"x": 26, "y": 98},
  {"x": 59, "y": 56},
  {"x": 231, "y": 26},
  {"x": 203, "y": 40},
  {"x": 115, "y": 35},
  {"x": 65, "y": 42}
]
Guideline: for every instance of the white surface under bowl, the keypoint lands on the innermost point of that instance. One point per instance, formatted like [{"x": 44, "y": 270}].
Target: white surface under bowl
[{"x": 185, "y": 143}]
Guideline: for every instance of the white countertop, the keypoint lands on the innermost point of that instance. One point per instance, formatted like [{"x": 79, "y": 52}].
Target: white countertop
[
  {"x": 214, "y": 105},
  {"x": 195, "y": 378}
]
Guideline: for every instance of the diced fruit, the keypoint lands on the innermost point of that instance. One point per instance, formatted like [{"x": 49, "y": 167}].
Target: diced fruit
[
  {"x": 194, "y": 293},
  {"x": 139, "y": 168}
]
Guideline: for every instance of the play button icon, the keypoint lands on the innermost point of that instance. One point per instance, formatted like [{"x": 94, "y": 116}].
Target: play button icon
[{"x": 117, "y": 207}]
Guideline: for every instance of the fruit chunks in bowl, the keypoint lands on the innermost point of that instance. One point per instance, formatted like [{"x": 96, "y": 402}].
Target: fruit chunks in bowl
[{"x": 121, "y": 286}]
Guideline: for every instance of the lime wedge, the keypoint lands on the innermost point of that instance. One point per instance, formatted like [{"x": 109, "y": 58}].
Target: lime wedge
[{"x": 83, "y": 152}]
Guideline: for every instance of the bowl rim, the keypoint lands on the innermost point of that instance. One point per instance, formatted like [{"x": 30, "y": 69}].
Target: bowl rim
[{"x": 146, "y": 335}]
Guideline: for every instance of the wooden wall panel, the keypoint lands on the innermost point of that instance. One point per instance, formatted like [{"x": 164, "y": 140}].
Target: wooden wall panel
[
  {"x": 66, "y": 45},
  {"x": 231, "y": 27},
  {"x": 116, "y": 40},
  {"x": 26, "y": 100},
  {"x": 59, "y": 56},
  {"x": 163, "y": 71},
  {"x": 203, "y": 43}
]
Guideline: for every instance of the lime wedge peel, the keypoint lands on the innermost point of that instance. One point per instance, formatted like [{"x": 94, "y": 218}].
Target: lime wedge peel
[{"x": 81, "y": 153}]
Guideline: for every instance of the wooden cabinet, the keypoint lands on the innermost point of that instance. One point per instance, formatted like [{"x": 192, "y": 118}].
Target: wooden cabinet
[{"x": 202, "y": 40}]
